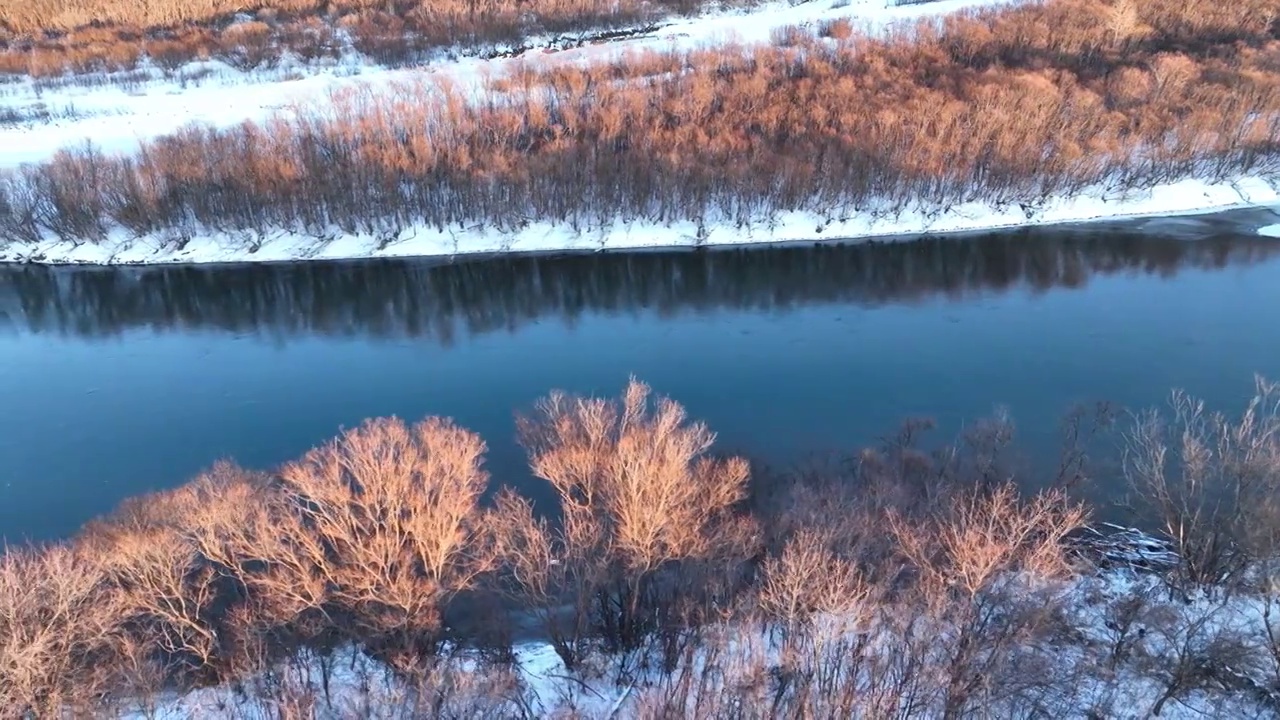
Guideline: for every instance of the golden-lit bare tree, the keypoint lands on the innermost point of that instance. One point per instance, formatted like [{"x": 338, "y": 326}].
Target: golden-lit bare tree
[
  {"x": 808, "y": 581},
  {"x": 983, "y": 568},
  {"x": 634, "y": 476},
  {"x": 388, "y": 516},
  {"x": 646, "y": 515},
  {"x": 58, "y": 625},
  {"x": 168, "y": 596}
]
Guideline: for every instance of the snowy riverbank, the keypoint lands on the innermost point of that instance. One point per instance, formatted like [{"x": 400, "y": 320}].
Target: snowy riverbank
[
  {"x": 281, "y": 244},
  {"x": 1130, "y": 640},
  {"x": 40, "y": 118}
]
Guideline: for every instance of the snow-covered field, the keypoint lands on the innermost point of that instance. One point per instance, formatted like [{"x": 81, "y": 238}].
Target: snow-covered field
[{"x": 1270, "y": 231}]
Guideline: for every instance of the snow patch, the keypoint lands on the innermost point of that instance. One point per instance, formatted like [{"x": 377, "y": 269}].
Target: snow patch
[{"x": 1270, "y": 231}]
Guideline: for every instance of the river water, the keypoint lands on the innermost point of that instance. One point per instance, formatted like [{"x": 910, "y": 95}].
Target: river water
[{"x": 116, "y": 381}]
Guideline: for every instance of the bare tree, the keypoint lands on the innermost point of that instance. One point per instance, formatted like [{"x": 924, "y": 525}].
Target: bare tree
[
  {"x": 1198, "y": 649},
  {"x": 808, "y": 583},
  {"x": 1207, "y": 481},
  {"x": 649, "y": 522},
  {"x": 719, "y": 137},
  {"x": 388, "y": 515},
  {"x": 169, "y": 597},
  {"x": 57, "y": 630},
  {"x": 983, "y": 569}
]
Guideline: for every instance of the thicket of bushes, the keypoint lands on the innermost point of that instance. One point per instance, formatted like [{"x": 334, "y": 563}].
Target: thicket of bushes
[
  {"x": 394, "y": 299},
  {"x": 1008, "y": 107},
  {"x": 47, "y": 38},
  {"x": 902, "y": 583}
]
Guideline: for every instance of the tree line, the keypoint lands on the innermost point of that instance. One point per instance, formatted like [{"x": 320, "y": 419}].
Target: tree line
[
  {"x": 900, "y": 581},
  {"x": 989, "y": 107}
]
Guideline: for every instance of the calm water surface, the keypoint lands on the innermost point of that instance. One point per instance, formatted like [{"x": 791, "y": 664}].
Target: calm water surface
[{"x": 119, "y": 381}]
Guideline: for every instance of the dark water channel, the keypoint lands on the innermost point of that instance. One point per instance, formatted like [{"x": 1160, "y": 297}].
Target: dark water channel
[{"x": 117, "y": 381}]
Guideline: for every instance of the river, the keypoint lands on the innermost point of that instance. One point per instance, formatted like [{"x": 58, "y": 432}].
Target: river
[{"x": 116, "y": 381}]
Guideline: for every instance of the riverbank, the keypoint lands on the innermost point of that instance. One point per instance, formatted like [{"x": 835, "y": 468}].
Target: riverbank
[
  {"x": 1180, "y": 199},
  {"x": 379, "y": 575},
  {"x": 1126, "y": 620}
]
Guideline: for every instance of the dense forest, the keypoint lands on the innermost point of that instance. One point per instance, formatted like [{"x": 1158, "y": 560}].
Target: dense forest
[
  {"x": 903, "y": 581},
  {"x": 1009, "y": 107}
]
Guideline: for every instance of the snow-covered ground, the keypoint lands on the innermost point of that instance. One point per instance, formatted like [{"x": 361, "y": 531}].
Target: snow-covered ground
[
  {"x": 1131, "y": 644},
  {"x": 116, "y": 116},
  {"x": 1270, "y": 231},
  {"x": 279, "y": 244},
  {"x": 1119, "y": 642}
]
